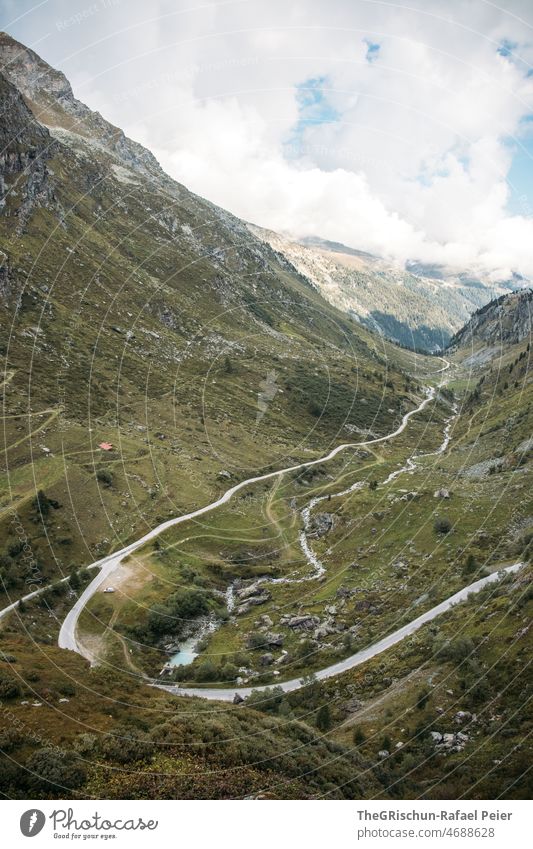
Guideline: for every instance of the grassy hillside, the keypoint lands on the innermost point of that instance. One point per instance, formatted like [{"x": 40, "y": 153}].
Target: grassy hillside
[{"x": 155, "y": 352}]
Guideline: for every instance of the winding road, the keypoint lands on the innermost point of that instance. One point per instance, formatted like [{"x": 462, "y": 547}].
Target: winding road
[
  {"x": 67, "y": 635},
  {"x": 226, "y": 695}
]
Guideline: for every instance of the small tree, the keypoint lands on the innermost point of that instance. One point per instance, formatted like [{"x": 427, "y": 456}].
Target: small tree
[
  {"x": 228, "y": 365},
  {"x": 74, "y": 580},
  {"x": 373, "y": 484},
  {"x": 358, "y": 736},
  {"x": 323, "y": 718},
  {"x": 470, "y": 565},
  {"x": 41, "y": 504},
  {"x": 423, "y": 699},
  {"x": 386, "y": 743},
  {"x": 53, "y": 769},
  {"x": 104, "y": 477},
  {"x": 9, "y": 686},
  {"x": 442, "y": 525}
]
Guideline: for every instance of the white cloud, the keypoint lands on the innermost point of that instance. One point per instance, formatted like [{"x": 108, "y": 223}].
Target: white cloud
[{"x": 416, "y": 164}]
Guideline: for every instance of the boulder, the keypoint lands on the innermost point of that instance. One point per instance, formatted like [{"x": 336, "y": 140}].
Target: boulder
[
  {"x": 253, "y": 590},
  {"x": 266, "y": 659},
  {"x": 237, "y": 699},
  {"x": 321, "y": 524},
  {"x": 273, "y": 640},
  {"x": 353, "y": 705},
  {"x": 324, "y": 630},
  {"x": 264, "y": 621},
  {"x": 303, "y": 623}
]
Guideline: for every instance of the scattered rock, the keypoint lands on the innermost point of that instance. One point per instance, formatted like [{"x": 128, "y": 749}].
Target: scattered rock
[
  {"x": 307, "y": 622},
  {"x": 321, "y": 524},
  {"x": 274, "y": 640},
  {"x": 353, "y": 705}
]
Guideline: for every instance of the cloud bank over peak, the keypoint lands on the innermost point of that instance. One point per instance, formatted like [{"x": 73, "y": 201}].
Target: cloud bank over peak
[{"x": 404, "y": 132}]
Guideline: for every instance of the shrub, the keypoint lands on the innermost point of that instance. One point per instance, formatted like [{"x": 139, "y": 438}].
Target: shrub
[
  {"x": 228, "y": 672},
  {"x": 358, "y": 736},
  {"x": 104, "y": 477},
  {"x": 255, "y": 640},
  {"x": 442, "y": 525},
  {"x": 124, "y": 746},
  {"x": 55, "y": 769},
  {"x": 41, "y": 504},
  {"x": 323, "y": 718},
  {"x": 267, "y": 700},
  {"x": 206, "y": 671},
  {"x": 456, "y": 650},
  {"x": 470, "y": 565},
  {"x": 9, "y": 686}
]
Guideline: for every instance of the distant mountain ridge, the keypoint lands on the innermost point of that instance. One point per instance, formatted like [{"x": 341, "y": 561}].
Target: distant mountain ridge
[
  {"x": 418, "y": 306},
  {"x": 506, "y": 320}
]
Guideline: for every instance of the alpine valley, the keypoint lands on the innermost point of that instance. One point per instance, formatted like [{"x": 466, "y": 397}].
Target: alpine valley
[{"x": 250, "y": 545}]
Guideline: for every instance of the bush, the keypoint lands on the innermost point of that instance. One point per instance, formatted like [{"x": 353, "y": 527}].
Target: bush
[
  {"x": 267, "y": 700},
  {"x": 358, "y": 736},
  {"x": 55, "y": 769},
  {"x": 125, "y": 747},
  {"x": 41, "y": 504},
  {"x": 255, "y": 641},
  {"x": 442, "y": 525},
  {"x": 206, "y": 671},
  {"x": 9, "y": 686},
  {"x": 323, "y": 718},
  {"x": 104, "y": 477},
  {"x": 228, "y": 672},
  {"x": 456, "y": 650},
  {"x": 177, "y": 611}
]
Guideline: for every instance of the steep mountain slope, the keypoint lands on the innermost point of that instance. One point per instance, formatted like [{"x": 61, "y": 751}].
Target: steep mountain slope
[
  {"x": 138, "y": 316},
  {"x": 155, "y": 351},
  {"x": 417, "y": 310},
  {"x": 505, "y": 321}
]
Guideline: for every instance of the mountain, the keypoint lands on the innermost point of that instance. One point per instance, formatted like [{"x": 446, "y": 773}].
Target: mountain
[
  {"x": 417, "y": 306},
  {"x": 136, "y": 314},
  {"x": 504, "y": 321},
  {"x": 156, "y": 352}
]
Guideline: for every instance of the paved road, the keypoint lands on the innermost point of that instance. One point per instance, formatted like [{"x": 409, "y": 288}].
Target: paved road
[
  {"x": 67, "y": 634},
  {"x": 227, "y": 695}
]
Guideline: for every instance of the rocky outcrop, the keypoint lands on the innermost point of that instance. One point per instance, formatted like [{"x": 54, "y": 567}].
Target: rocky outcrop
[
  {"x": 249, "y": 596},
  {"x": 48, "y": 92},
  {"x": 305, "y": 622},
  {"x": 507, "y": 319},
  {"x": 320, "y": 524},
  {"x": 25, "y": 148}
]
